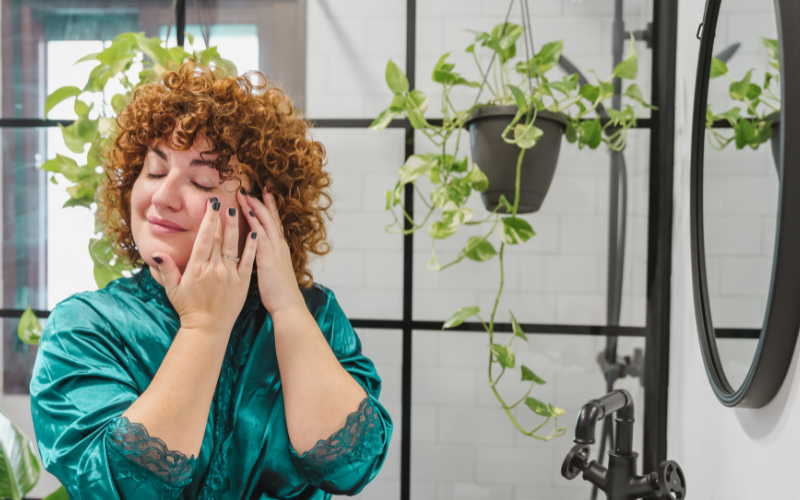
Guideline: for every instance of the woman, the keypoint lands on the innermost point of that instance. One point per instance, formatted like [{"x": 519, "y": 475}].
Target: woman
[{"x": 219, "y": 370}]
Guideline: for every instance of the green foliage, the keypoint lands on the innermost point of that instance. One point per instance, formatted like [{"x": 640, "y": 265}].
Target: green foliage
[
  {"x": 95, "y": 130},
  {"x": 760, "y": 102},
  {"x": 527, "y": 85},
  {"x": 29, "y": 329}
]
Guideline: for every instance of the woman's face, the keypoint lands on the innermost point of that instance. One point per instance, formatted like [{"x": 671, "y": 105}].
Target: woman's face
[{"x": 170, "y": 198}]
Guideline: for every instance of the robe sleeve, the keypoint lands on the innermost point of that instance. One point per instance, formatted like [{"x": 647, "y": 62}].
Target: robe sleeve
[
  {"x": 79, "y": 389},
  {"x": 350, "y": 458}
]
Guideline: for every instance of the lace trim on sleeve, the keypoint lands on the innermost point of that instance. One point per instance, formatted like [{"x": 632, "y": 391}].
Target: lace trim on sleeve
[
  {"x": 136, "y": 454},
  {"x": 359, "y": 440}
]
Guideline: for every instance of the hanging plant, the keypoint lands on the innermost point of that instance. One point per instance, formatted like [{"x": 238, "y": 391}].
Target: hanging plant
[
  {"x": 114, "y": 63},
  {"x": 761, "y": 120},
  {"x": 515, "y": 136}
]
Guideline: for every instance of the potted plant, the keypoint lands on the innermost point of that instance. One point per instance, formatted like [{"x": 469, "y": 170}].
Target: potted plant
[
  {"x": 115, "y": 62},
  {"x": 761, "y": 123},
  {"x": 515, "y": 136}
]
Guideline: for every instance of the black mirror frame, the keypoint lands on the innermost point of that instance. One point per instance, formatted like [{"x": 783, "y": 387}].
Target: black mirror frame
[{"x": 776, "y": 342}]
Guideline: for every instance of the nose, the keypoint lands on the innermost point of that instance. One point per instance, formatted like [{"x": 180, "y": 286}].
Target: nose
[{"x": 167, "y": 194}]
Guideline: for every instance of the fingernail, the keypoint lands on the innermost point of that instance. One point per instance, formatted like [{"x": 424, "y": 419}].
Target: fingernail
[
  {"x": 253, "y": 235},
  {"x": 241, "y": 190},
  {"x": 215, "y": 206},
  {"x": 231, "y": 211},
  {"x": 252, "y": 214},
  {"x": 213, "y": 200},
  {"x": 158, "y": 259}
]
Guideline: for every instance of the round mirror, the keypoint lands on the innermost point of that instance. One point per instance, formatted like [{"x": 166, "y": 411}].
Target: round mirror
[{"x": 745, "y": 274}]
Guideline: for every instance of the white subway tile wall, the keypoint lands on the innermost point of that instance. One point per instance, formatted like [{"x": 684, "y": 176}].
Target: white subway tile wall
[{"x": 463, "y": 445}]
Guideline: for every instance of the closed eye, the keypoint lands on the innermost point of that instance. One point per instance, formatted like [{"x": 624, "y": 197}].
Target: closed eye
[{"x": 201, "y": 188}]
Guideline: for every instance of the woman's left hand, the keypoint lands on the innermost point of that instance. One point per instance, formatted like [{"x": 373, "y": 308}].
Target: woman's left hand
[{"x": 277, "y": 283}]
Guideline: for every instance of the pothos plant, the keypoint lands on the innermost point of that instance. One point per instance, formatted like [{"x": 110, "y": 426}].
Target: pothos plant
[
  {"x": 117, "y": 62},
  {"x": 760, "y": 102},
  {"x": 526, "y": 84}
]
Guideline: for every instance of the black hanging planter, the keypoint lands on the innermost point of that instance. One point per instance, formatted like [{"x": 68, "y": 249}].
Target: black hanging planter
[
  {"x": 498, "y": 159},
  {"x": 775, "y": 139}
]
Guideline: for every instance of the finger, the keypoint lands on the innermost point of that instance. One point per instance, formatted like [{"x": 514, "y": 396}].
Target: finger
[
  {"x": 216, "y": 252},
  {"x": 204, "y": 243},
  {"x": 266, "y": 219},
  {"x": 230, "y": 242},
  {"x": 169, "y": 271},
  {"x": 257, "y": 213},
  {"x": 248, "y": 257},
  {"x": 272, "y": 206}
]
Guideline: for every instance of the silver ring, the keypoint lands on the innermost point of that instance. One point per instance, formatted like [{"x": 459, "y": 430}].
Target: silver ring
[{"x": 237, "y": 259}]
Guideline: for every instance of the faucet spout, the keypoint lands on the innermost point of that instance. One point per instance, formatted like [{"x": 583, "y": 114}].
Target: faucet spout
[{"x": 619, "y": 401}]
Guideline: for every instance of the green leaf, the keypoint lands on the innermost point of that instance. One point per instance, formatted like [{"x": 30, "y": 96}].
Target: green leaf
[
  {"x": 629, "y": 67},
  {"x": 634, "y": 92},
  {"x": 59, "y": 95},
  {"x": 753, "y": 91},
  {"x": 397, "y": 81},
  {"x": 415, "y": 118},
  {"x": 519, "y": 97},
  {"x": 88, "y": 57},
  {"x": 420, "y": 99},
  {"x": 398, "y": 103},
  {"x": 556, "y": 411},
  {"x": 517, "y": 329},
  {"x": 548, "y": 56},
  {"x": 479, "y": 250},
  {"x": 570, "y": 133},
  {"x": 733, "y": 116},
  {"x": 457, "y": 166},
  {"x": 59, "y": 494},
  {"x": 29, "y": 329},
  {"x": 606, "y": 90},
  {"x": 189, "y": 36},
  {"x": 563, "y": 87},
  {"x": 746, "y": 134},
  {"x": 383, "y": 120},
  {"x": 19, "y": 467},
  {"x": 81, "y": 108},
  {"x": 477, "y": 179},
  {"x": 528, "y": 375},
  {"x": 153, "y": 49},
  {"x": 441, "y": 230},
  {"x": 738, "y": 90},
  {"x": 503, "y": 354},
  {"x": 510, "y": 35},
  {"x": 718, "y": 68},
  {"x": 516, "y": 230},
  {"x": 591, "y": 133},
  {"x": 525, "y": 137},
  {"x": 772, "y": 47},
  {"x": 460, "y": 316},
  {"x": 538, "y": 407},
  {"x": 589, "y": 92},
  {"x": 415, "y": 167},
  {"x": 118, "y": 103}
]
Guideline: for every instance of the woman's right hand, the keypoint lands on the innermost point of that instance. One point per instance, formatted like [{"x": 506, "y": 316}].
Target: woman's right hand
[{"x": 212, "y": 290}]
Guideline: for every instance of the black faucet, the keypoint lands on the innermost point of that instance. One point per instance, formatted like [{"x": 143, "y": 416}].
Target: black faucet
[{"x": 619, "y": 481}]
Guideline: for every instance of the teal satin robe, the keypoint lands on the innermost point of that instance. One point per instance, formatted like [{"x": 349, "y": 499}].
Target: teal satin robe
[{"x": 100, "y": 350}]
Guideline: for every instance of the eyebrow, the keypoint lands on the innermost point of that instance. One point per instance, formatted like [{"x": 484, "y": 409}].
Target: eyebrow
[{"x": 197, "y": 162}]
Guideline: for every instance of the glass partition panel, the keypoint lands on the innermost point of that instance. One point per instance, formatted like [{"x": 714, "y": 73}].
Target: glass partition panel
[
  {"x": 464, "y": 445},
  {"x": 365, "y": 266},
  {"x": 385, "y": 349}
]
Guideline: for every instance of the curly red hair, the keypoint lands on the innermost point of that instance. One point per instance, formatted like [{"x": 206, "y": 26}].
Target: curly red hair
[{"x": 238, "y": 115}]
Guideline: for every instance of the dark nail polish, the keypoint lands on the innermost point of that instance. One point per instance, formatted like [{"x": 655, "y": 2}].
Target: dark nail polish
[
  {"x": 215, "y": 206},
  {"x": 213, "y": 200},
  {"x": 231, "y": 211},
  {"x": 241, "y": 190},
  {"x": 253, "y": 235},
  {"x": 252, "y": 214},
  {"x": 158, "y": 259}
]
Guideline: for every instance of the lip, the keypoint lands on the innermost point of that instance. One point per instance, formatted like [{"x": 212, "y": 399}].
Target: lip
[{"x": 162, "y": 226}]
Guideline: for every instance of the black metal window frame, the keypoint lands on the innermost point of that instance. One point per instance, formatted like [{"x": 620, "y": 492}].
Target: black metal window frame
[{"x": 656, "y": 331}]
